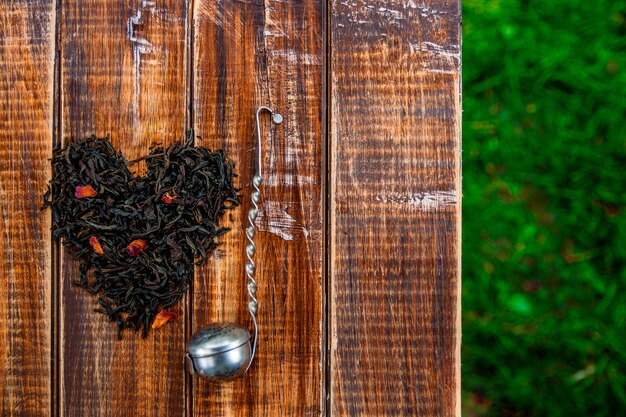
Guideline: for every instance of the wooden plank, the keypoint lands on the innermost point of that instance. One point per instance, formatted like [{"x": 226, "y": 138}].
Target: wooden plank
[
  {"x": 394, "y": 207},
  {"x": 26, "y": 126},
  {"x": 248, "y": 54},
  {"x": 123, "y": 72}
]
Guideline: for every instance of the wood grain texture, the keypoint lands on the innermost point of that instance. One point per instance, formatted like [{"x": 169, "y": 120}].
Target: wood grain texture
[
  {"x": 26, "y": 126},
  {"x": 123, "y": 72},
  {"x": 394, "y": 207},
  {"x": 394, "y": 202},
  {"x": 247, "y": 54}
]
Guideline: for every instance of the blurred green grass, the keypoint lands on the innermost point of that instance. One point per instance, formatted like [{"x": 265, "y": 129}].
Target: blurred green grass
[{"x": 544, "y": 208}]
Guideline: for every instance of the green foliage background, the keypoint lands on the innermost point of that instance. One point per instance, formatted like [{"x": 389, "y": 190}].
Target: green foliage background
[{"x": 544, "y": 208}]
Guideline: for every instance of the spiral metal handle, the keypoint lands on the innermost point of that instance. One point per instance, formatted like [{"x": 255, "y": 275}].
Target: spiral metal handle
[{"x": 255, "y": 198}]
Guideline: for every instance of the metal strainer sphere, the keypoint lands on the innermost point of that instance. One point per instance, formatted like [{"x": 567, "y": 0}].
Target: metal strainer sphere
[{"x": 219, "y": 351}]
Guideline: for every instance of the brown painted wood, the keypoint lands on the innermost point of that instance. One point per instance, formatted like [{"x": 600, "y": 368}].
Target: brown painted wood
[
  {"x": 393, "y": 219},
  {"x": 123, "y": 69},
  {"x": 394, "y": 208},
  {"x": 26, "y": 126},
  {"x": 246, "y": 54}
]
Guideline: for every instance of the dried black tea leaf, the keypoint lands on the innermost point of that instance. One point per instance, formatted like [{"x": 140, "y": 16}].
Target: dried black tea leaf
[{"x": 137, "y": 237}]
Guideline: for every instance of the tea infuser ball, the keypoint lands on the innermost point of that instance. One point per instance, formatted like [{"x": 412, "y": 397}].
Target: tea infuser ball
[{"x": 222, "y": 351}]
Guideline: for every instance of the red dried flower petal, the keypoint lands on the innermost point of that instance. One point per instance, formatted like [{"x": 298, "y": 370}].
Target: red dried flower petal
[
  {"x": 169, "y": 199},
  {"x": 163, "y": 317},
  {"x": 85, "y": 191},
  {"x": 136, "y": 247},
  {"x": 95, "y": 244}
]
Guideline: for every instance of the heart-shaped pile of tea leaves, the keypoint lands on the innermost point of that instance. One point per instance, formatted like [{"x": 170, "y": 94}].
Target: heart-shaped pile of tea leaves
[{"x": 137, "y": 237}]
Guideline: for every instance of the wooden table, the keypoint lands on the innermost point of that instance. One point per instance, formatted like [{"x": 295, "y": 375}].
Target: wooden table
[{"x": 359, "y": 243}]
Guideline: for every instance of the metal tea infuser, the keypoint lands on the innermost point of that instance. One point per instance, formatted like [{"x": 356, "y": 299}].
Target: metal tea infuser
[{"x": 222, "y": 351}]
